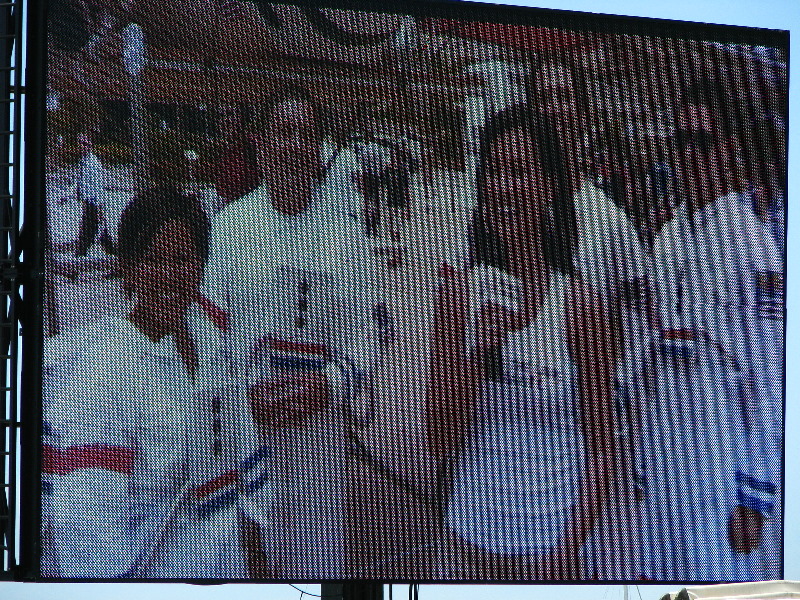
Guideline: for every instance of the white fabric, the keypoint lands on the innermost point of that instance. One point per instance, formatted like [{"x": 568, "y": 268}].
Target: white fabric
[
  {"x": 609, "y": 256},
  {"x": 520, "y": 471},
  {"x": 91, "y": 179},
  {"x": 66, "y": 190},
  {"x": 719, "y": 413},
  {"x": 375, "y": 157},
  {"x": 109, "y": 386},
  {"x": 259, "y": 260},
  {"x": 690, "y": 448},
  {"x": 710, "y": 269},
  {"x": 609, "y": 250}
]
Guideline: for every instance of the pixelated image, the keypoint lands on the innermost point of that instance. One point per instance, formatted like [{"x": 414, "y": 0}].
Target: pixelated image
[{"x": 333, "y": 294}]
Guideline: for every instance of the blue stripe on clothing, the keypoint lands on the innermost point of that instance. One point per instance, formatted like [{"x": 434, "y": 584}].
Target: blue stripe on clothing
[
  {"x": 759, "y": 486},
  {"x": 216, "y": 503},
  {"x": 756, "y": 504},
  {"x": 297, "y": 363},
  {"x": 251, "y": 461},
  {"x": 258, "y": 483}
]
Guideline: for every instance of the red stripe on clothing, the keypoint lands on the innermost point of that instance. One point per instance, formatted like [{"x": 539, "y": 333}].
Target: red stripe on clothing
[
  {"x": 208, "y": 488},
  {"x": 679, "y": 334},
  {"x": 93, "y": 456},
  {"x": 218, "y": 317}
]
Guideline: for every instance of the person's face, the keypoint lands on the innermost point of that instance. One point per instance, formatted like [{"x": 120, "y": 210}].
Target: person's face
[
  {"x": 517, "y": 191},
  {"x": 554, "y": 94},
  {"x": 701, "y": 165},
  {"x": 166, "y": 280},
  {"x": 290, "y": 145}
]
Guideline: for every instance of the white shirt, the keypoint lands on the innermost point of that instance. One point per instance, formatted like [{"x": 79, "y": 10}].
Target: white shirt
[
  {"x": 609, "y": 251},
  {"x": 135, "y": 457},
  {"x": 91, "y": 179},
  {"x": 520, "y": 471},
  {"x": 718, "y": 270},
  {"x": 255, "y": 247},
  {"x": 713, "y": 255}
]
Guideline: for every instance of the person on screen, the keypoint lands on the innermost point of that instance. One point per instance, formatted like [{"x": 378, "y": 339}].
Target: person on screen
[
  {"x": 611, "y": 258},
  {"x": 290, "y": 264},
  {"x": 718, "y": 275},
  {"x": 522, "y": 362},
  {"x": 140, "y": 475},
  {"x": 609, "y": 253}
]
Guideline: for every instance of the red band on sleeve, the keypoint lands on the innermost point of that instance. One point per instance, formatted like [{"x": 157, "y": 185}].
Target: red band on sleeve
[
  {"x": 679, "y": 334},
  {"x": 93, "y": 456},
  {"x": 217, "y": 483}
]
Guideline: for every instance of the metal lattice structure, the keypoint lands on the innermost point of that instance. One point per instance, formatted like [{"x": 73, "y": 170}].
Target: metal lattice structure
[{"x": 11, "y": 109}]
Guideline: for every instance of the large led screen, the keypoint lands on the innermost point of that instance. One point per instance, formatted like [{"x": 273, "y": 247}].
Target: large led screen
[{"x": 465, "y": 293}]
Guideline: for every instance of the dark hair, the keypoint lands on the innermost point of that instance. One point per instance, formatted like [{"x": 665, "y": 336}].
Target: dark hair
[
  {"x": 148, "y": 212},
  {"x": 261, "y": 113},
  {"x": 559, "y": 235}
]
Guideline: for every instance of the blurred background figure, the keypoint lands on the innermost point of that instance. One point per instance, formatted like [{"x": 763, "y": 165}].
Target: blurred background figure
[
  {"x": 718, "y": 274},
  {"x": 90, "y": 190}
]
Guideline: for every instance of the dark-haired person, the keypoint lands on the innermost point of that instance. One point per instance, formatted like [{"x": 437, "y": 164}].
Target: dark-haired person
[
  {"x": 609, "y": 253},
  {"x": 139, "y": 435},
  {"x": 290, "y": 264},
  {"x": 609, "y": 256},
  {"x": 522, "y": 363},
  {"x": 718, "y": 365}
]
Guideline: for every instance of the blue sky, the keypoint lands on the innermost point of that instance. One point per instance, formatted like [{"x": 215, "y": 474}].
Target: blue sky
[{"x": 775, "y": 14}]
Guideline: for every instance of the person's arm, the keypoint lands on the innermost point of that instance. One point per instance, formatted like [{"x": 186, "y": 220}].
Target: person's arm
[
  {"x": 595, "y": 350},
  {"x": 454, "y": 376}
]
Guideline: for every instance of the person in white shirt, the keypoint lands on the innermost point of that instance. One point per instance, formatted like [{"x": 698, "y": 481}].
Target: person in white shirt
[
  {"x": 143, "y": 461},
  {"x": 520, "y": 402},
  {"x": 718, "y": 275},
  {"x": 90, "y": 189},
  {"x": 611, "y": 258},
  {"x": 290, "y": 264}
]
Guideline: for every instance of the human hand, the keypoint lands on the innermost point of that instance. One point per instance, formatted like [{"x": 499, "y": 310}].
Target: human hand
[
  {"x": 287, "y": 400},
  {"x": 745, "y": 527}
]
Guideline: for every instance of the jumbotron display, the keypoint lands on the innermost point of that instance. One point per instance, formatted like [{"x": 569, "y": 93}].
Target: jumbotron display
[{"x": 475, "y": 293}]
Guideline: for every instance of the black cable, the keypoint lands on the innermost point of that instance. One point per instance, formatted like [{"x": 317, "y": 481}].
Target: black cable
[
  {"x": 305, "y": 593},
  {"x": 413, "y": 591},
  {"x": 639, "y": 592}
]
